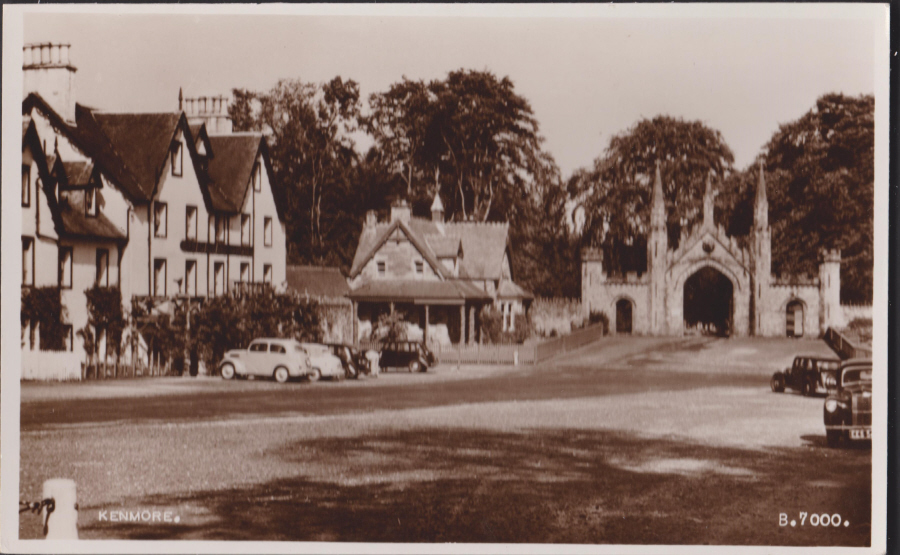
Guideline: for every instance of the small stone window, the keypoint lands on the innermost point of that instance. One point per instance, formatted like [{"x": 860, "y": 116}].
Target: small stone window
[
  {"x": 26, "y": 185},
  {"x": 267, "y": 231},
  {"x": 177, "y": 158},
  {"x": 160, "y": 220},
  {"x": 420, "y": 268},
  {"x": 245, "y": 272},
  {"x": 382, "y": 267},
  {"x": 65, "y": 267},
  {"x": 267, "y": 273},
  {"x": 159, "y": 277},
  {"x": 245, "y": 229},
  {"x": 190, "y": 223}
]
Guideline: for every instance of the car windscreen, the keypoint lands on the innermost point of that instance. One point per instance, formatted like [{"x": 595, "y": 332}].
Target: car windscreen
[{"x": 856, "y": 375}]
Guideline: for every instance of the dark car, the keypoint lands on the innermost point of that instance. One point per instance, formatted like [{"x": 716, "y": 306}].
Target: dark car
[
  {"x": 354, "y": 362},
  {"x": 848, "y": 407},
  {"x": 807, "y": 375},
  {"x": 412, "y": 355}
]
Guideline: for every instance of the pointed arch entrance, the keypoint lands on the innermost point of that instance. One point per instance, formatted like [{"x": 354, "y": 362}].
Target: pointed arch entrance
[
  {"x": 624, "y": 315},
  {"x": 709, "y": 304}
]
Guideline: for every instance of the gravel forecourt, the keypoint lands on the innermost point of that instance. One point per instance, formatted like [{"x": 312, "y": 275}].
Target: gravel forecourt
[{"x": 627, "y": 441}]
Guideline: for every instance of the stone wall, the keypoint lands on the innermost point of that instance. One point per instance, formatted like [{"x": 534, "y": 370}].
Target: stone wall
[
  {"x": 854, "y": 311},
  {"x": 557, "y": 314}
]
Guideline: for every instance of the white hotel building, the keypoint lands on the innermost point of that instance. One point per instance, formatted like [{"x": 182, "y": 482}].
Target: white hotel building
[{"x": 161, "y": 205}]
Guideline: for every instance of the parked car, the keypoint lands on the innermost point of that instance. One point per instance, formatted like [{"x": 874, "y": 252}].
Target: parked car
[
  {"x": 354, "y": 362},
  {"x": 848, "y": 407},
  {"x": 412, "y": 355},
  {"x": 325, "y": 364},
  {"x": 807, "y": 374},
  {"x": 281, "y": 359}
]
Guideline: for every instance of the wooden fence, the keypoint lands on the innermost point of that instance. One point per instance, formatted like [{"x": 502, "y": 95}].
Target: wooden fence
[
  {"x": 51, "y": 365},
  {"x": 525, "y": 353}
]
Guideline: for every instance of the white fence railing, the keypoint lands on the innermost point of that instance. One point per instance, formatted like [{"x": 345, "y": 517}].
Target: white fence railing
[{"x": 51, "y": 365}]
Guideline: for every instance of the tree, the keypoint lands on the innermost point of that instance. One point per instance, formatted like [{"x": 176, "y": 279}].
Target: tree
[
  {"x": 820, "y": 177},
  {"x": 614, "y": 194},
  {"x": 308, "y": 127}
]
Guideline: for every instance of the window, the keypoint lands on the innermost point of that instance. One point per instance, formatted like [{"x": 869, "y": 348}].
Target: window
[
  {"x": 27, "y": 261},
  {"x": 177, "y": 158},
  {"x": 382, "y": 267},
  {"x": 420, "y": 267},
  {"x": 26, "y": 185},
  {"x": 190, "y": 223},
  {"x": 257, "y": 178},
  {"x": 245, "y": 229},
  {"x": 190, "y": 278},
  {"x": 65, "y": 267},
  {"x": 221, "y": 228},
  {"x": 267, "y": 273},
  {"x": 90, "y": 202},
  {"x": 245, "y": 272},
  {"x": 259, "y": 347},
  {"x": 267, "y": 231},
  {"x": 160, "y": 219},
  {"x": 219, "y": 277},
  {"x": 68, "y": 337},
  {"x": 102, "y": 277},
  {"x": 211, "y": 228},
  {"x": 159, "y": 277},
  {"x": 277, "y": 349}
]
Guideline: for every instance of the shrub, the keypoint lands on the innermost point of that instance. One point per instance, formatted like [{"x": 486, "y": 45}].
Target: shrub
[
  {"x": 43, "y": 306},
  {"x": 492, "y": 326},
  {"x": 390, "y": 327},
  {"x": 232, "y": 322}
]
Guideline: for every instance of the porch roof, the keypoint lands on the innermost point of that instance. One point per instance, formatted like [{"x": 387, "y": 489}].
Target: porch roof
[{"x": 452, "y": 292}]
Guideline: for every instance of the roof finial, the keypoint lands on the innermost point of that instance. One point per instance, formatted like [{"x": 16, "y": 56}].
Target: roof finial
[
  {"x": 180, "y": 100},
  {"x": 708, "y": 200},
  {"x": 657, "y": 202},
  {"x": 761, "y": 185}
]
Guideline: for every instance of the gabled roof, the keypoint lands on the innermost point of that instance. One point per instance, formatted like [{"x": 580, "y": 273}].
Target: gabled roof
[
  {"x": 198, "y": 132},
  {"x": 484, "y": 245},
  {"x": 444, "y": 247},
  {"x": 75, "y": 223},
  {"x": 141, "y": 141},
  {"x": 72, "y": 175},
  {"x": 372, "y": 239},
  {"x": 230, "y": 170},
  {"x": 317, "y": 281}
]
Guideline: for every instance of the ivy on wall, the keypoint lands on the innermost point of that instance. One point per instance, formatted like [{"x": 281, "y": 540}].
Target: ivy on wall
[
  {"x": 43, "y": 306},
  {"x": 104, "y": 306}
]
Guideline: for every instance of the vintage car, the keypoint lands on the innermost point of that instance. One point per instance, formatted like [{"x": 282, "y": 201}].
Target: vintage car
[
  {"x": 848, "y": 407},
  {"x": 325, "y": 364},
  {"x": 807, "y": 375},
  {"x": 355, "y": 363},
  {"x": 412, "y": 355},
  {"x": 281, "y": 359}
]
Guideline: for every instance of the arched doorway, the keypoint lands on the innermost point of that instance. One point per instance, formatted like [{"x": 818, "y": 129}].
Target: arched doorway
[
  {"x": 624, "y": 309},
  {"x": 708, "y": 303},
  {"x": 793, "y": 318}
]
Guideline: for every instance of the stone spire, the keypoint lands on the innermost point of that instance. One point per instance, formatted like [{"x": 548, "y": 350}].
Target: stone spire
[
  {"x": 437, "y": 208},
  {"x": 709, "y": 202},
  {"x": 657, "y": 203},
  {"x": 761, "y": 209}
]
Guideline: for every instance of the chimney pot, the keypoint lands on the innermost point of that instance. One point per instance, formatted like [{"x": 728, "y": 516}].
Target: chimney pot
[{"x": 400, "y": 211}]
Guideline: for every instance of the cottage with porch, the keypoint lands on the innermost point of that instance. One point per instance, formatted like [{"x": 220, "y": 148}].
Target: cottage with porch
[{"x": 439, "y": 274}]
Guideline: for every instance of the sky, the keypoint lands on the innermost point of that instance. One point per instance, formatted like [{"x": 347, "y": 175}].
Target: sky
[{"x": 587, "y": 78}]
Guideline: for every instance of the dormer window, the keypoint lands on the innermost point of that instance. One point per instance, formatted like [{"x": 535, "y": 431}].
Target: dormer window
[
  {"x": 90, "y": 201},
  {"x": 177, "y": 158},
  {"x": 160, "y": 219}
]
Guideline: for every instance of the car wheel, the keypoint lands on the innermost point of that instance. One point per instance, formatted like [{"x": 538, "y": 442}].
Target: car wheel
[
  {"x": 777, "y": 383},
  {"x": 227, "y": 372},
  {"x": 833, "y": 437},
  {"x": 414, "y": 366},
  {"x": 281, "y": 374},
  {"x": 314, "y": 375}
]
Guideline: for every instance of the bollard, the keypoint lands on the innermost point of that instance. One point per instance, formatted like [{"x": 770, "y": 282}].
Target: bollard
[
  {"x": 516, "y": 358},
  {"x": 62, "y": 520}
]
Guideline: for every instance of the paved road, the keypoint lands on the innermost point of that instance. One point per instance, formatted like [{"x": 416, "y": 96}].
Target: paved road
[{"x": 627, "y": 441}]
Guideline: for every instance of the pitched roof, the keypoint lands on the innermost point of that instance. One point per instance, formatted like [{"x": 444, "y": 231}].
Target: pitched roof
[
  {"x": 317, "y": 281},
  {"x": 132, "y": 148},
  {"x": 76, "y": 174},
  {"x": 76, "y": 223},
  {"x": 444, "y": 246},
  {"x": 372, "y": 239},
  {"x": 509, "y": 290},
  {"x": 451, "y": 291},
  {"x": 484, "y": 244},
  {"x": 230, "y": 169}
]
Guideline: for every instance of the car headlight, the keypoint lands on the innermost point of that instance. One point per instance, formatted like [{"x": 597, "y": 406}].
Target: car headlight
[
  {"x": 830, "y": 381},
  {"x": 831, "y": 405}
]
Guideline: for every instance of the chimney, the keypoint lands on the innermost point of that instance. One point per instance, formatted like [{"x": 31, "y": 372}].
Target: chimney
[
  {"x": 371, "y": 218},
  {"x": 400, "y": 211},
  {"x": 48, "y": 71},
  {"x": 437, "y": 209},
  {"x": 209, "y": 110}
]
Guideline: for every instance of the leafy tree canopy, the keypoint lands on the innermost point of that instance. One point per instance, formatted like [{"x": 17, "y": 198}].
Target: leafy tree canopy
[{"x": 613, "y": 196}]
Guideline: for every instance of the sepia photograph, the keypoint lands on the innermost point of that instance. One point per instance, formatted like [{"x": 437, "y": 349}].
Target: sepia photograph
[{"x": 444, "y": 278}]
